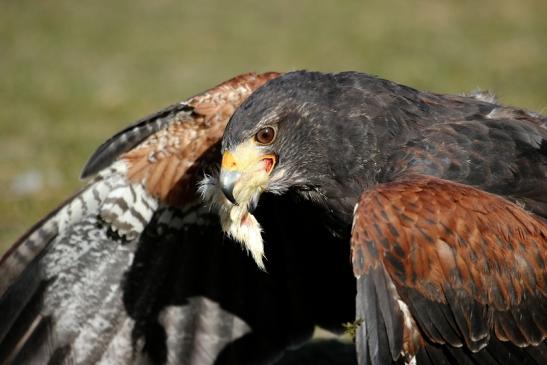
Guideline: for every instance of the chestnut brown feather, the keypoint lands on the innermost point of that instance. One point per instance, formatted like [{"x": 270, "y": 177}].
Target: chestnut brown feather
[{"x": 470, "y": 265}]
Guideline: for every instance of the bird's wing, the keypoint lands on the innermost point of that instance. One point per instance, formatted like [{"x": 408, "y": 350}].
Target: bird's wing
[
  {"x": 448, "y": 274},
  {"x": 134, "y": 269},
  {"x": 176, "y": 144}
]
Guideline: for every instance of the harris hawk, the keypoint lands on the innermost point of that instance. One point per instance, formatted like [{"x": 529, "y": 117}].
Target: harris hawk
[
  {"x": 443, "y": 198},
  {"x": 440, "y": 202}
]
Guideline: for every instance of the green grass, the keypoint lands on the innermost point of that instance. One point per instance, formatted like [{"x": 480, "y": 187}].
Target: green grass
[{"x": 72, "y": 73}]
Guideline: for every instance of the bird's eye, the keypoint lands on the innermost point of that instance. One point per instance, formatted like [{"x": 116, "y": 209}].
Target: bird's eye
[{"x": 265, "y": 135}]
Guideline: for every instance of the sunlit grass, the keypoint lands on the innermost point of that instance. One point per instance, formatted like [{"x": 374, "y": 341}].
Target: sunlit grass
[{"x": 72, "y": 73}]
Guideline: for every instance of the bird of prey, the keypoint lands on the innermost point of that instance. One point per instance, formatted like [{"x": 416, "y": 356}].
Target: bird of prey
[{"x": 418, "y": 217}]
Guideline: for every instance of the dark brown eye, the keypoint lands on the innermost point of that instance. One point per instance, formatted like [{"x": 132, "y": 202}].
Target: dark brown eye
[{"x": 265, "y": 135}]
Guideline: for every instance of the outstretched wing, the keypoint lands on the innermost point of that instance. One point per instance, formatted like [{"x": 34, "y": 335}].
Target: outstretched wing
[
  {"x": 448, "y": 274},
  {"x": 126, "y": 188}
]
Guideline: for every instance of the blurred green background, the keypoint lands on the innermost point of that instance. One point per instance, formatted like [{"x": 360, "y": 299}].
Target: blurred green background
[{"x": 72, "y": 73}]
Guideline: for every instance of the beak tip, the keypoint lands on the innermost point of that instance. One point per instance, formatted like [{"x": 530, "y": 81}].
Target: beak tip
[
  {"x": 228, "y": 179},
  {"x": 229, "y": 194}
]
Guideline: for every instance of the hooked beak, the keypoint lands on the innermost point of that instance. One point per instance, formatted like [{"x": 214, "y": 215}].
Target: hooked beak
[
  {"x": 228, "y": 179},
  {"x": 245, "y": 173}
]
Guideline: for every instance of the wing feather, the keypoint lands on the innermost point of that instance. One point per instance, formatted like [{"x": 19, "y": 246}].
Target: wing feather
[
  {"x": 469, "y": 265},
  {"x": 132, "y": 135},
  {"x": 61, "y": 283},
  {"x": 224, "y": 98}
]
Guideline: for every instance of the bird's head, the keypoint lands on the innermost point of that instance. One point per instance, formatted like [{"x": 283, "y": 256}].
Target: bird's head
[{"x": 275, "y": 141}]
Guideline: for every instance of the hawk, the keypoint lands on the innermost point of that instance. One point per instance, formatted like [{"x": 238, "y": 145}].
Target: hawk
[{"x": 418, "y": 216}]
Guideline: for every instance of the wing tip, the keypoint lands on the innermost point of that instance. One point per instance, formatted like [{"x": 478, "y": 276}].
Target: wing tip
[
  {"x": 129, "y": 137},
  {"x": 91, "y": 167}
]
